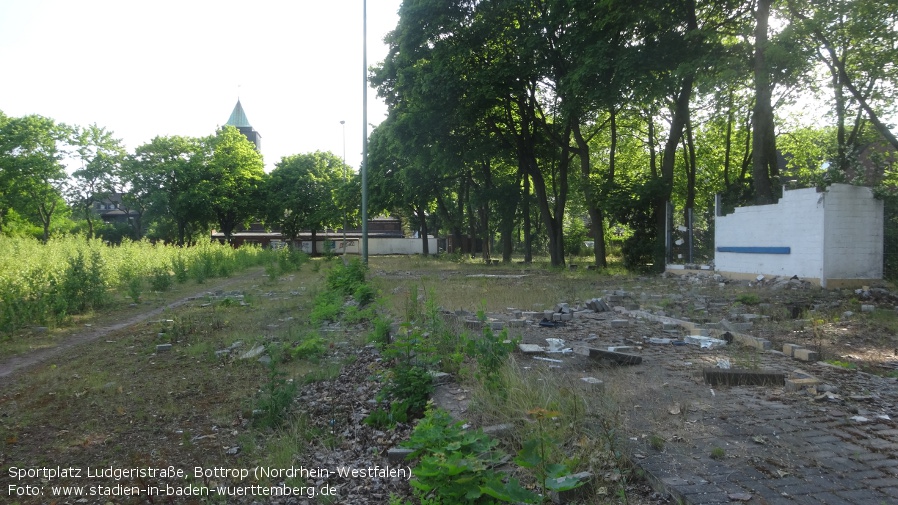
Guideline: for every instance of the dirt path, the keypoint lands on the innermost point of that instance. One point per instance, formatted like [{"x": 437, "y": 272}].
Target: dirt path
[{"x": 9, "y": 367}]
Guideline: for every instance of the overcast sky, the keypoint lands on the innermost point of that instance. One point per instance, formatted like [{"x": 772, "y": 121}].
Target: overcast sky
[{"x": 146, "y": 68}]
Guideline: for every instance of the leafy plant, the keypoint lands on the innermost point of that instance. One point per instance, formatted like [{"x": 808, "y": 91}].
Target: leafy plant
[
  {"x": 748, "y": 299},
  {"x": 407, "y": 391},
  {"x": 455, "y": 465},
  {"x": 277, "y": 395},
  {"x": 534, "y": 455},
  {"x": 491, "y": 352}
]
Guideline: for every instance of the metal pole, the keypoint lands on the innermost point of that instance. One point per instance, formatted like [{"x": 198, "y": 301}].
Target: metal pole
[
  {"x": 364, "y": 170},
  {"x": 345, "y": 222}
]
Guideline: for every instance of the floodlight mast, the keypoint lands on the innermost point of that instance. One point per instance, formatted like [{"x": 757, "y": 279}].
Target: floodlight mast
[{"x": 364, "y": 170}]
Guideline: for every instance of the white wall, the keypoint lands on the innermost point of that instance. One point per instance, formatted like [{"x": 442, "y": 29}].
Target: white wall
[
  {"x": 835, "y": 234},
  {"x": 853, "y": 233},
  {"x": 377, "y": 245}
]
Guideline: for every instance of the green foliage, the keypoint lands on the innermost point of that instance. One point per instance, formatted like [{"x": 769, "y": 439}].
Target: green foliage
[
  {"x": 407, "y": 391},
  {"x": 276, "y": 397},
  {"x": 534, "y": 455},
  {"x": 748, "y": 299},
  {"x": 490, "y": 352},
  {"x": 327, "y": 307},
  {"x": 456, "y": 466},
  {"x": 717, "y": 453},
  {"x": 310, "y": 348},
  {"x": 380, "y": 331},
  {"x": 161, "y": 279},
  {"x": 83, "y": 286}
]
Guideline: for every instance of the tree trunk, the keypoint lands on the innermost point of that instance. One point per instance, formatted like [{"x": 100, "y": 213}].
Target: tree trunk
[
  {"x": 678, "y": 121},
  {"x": 314, "y": 242},
  {"x": 528, "y": 232},
  {"x": 422, "y": 219},
  {"x": 596, "y": 226},
  {"x": 764, "y": 167}
]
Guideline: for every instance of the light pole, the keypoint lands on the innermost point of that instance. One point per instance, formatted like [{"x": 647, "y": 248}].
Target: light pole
[
  {"x": 343, "y": 124},
  {"x": 364, "y": 170}
]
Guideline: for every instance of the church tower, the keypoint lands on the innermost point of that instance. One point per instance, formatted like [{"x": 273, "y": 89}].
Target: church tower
[{"x": 238, "y": 120}]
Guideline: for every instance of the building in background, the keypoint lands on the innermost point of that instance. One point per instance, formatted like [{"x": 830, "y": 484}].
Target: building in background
[{"x": 238, "y": 120}]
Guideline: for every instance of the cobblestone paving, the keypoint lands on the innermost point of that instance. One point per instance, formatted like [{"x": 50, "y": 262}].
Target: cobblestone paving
[{"x": 749, "y": 444}]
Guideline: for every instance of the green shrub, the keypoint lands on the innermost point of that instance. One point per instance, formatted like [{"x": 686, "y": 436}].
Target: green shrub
[{"x": 161, "y": 279}]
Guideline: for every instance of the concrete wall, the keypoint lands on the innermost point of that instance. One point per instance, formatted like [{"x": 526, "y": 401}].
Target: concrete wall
[
  {"x": 853, "y": 232},
  {"x": 376, "y": 246},
  {"x": 834, "y": 235}
]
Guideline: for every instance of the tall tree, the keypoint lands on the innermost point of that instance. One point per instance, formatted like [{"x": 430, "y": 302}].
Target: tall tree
[
  {"x": 170, "y": 172},
  {"x": 301, "y": 194},
  {"x": 233, "y": 180},
  {"x": 32, "y": 149},
  {"x": 100, "y": 156}
]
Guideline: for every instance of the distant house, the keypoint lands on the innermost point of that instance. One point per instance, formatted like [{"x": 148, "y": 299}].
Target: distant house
[{"x": 111, "y": 210}]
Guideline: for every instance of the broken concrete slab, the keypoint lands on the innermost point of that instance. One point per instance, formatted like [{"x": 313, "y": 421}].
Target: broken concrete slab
[
  {"x": 789, "y": 349},
  {"x": 800, "y": 384},
  {"x": 704, "y": 342},
  {"x": 620, "y": 323},
  {"x": 618, "y": 358},
  {"x": 397, "y": 455},
  {"x": 803, "y": 354},
  {"x": 598, "y": 305},
  {"x": 530, "y": 348},
  {"x": 254, "y": 352},
  {"x": 742, "y": 377}
]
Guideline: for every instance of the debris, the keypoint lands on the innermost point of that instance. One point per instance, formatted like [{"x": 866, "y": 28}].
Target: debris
[
  {"x": 530, "y": 348},
  {"x": 742, "y": 377},
  {"x": 723, "y": 363},
  {"x": 704, "y": 342},
  {"x": 739, "y": 496},
  {"x": 860, "y": 419},
  {"x": 759, "y": 439},
  {"x": 254, "y": 352},
  {"x": 674, "y": 409},
  {"x": 656, "y": 340},
  {"x": 615, "y": 357},
  {"x": 555, "y": 344},
  {"x": 548, "y": 359}
]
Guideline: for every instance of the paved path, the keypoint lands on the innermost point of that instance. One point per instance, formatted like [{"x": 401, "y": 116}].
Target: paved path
[{"x": 775, "y": 447}]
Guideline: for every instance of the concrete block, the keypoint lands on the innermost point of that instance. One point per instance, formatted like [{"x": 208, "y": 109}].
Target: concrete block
[
  {"x": 499, "y": 429},
  {"x": 530, "y": 348},
  {"x": 789, "y": 349},
  {"x": 567, "y": 317},
  {"x": 556, "y": 316},
  {"x": 529, "y": 315},
  {"x": 497, "y": 325},
  {"x": 621, "y": 348},
  {"x": 670, "y": 327},
  {"x": 617, "y": 358},
  {"x": 593, "y": 383},
  {"x": 578, "y": 493},
  {"x": 473, "y": 324},
  {"x": 397, "y": 455},
  {"x": 806, "y": 355},
  {"x": 516, "y": 323},
  {"x": 163, "y": 348},
  {"x": 867, "y": 308},
  {"x": 739, "y": 377},
  {"x": 793, "y": 385},
  {"x": 439, "y": 378},
  {"x": 620, "y": 323}
]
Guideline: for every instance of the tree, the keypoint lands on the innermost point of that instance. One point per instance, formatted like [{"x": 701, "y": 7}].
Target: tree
[
  {"x": 100, "y": 156},
  {"x": 31, "y": 152},
  {"x": 301, "y": 192},
  {"x": 234, "y": 179},
  {"x": 169, "y": 173}
]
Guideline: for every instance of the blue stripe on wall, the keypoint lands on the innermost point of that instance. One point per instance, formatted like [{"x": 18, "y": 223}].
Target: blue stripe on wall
[{"x": 756, "y": 250}]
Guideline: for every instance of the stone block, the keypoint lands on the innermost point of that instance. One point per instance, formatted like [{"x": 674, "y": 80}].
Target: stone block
[
  {"x": 806, "y": 355},
  {"x": 578, "y": 493},
  {"x": 528, "y": 315},
  {"x": 473, "y": 324},
  {"x": 397, "y": 455},
  {"x": 867, "y": 308},
  {"x": 620, "y": 323},
  {"x": 439, "y": 378},
  {"x": 739, "y": 377},
  {"x": 516, "y": 323},
  {"x": 621, "y": 348},
  {"x": 566, "y": 317},
  {"x": 497, "y": 325},
  {"x": 793, "y": 385},
  {"x": 530, "y": 348},
  {"x": 593, "y": 383},
  {"x": 163, "y": 348},
  {"x": 498, "y": 430},
  {"x": 617, "y": 358},
  {"x": 789, "y": 349},
  {"x": 670, "y": 327},
  {"x": 556, "y": 316}
]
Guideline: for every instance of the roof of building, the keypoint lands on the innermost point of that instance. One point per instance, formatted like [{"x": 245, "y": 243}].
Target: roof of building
[{"x": 238, "y": 117}]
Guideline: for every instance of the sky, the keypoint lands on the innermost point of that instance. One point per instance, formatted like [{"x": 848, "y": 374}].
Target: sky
[{"x": 145, "y": 68}]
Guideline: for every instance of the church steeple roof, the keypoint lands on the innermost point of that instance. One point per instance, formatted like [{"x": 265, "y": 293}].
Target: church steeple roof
[{"x": 238, "y": 117}]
